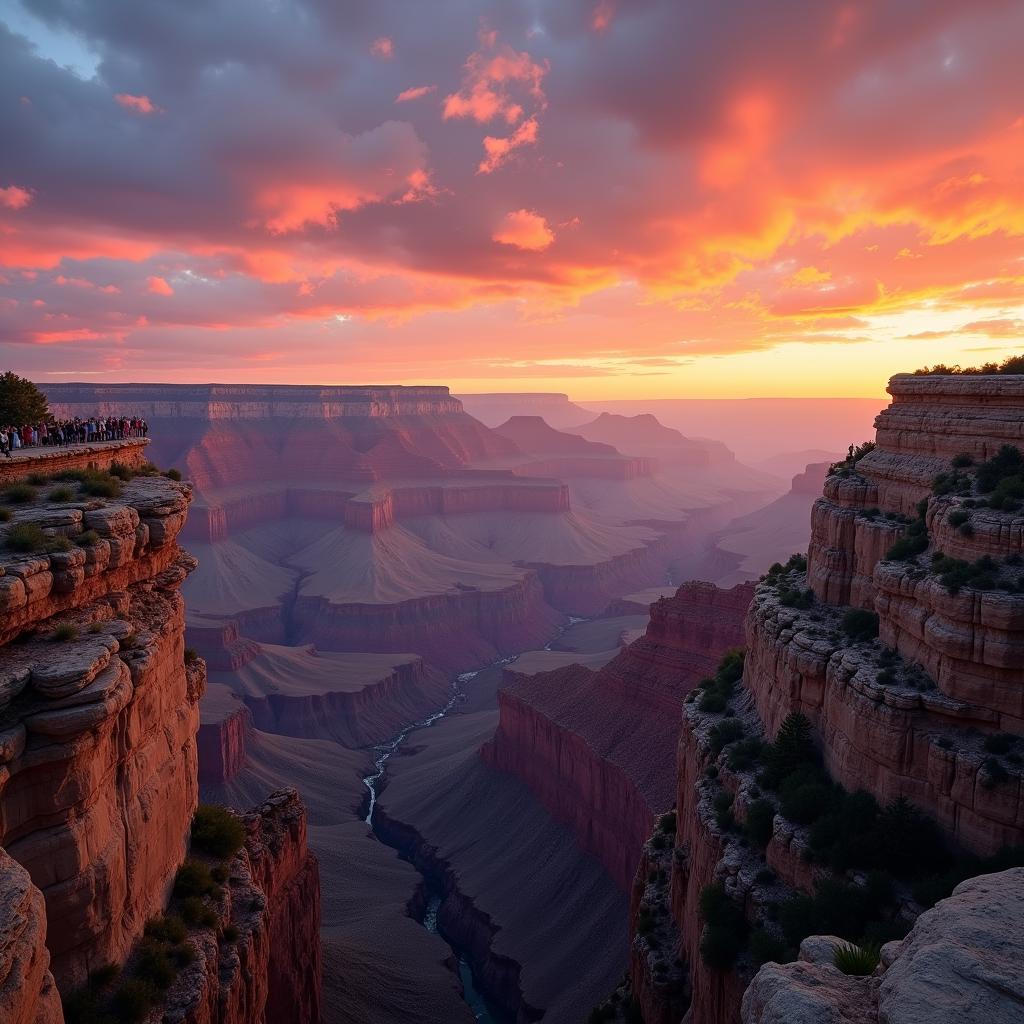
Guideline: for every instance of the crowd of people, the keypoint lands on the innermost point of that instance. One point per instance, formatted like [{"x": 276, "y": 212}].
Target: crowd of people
[{"x": 57, "y": 433}]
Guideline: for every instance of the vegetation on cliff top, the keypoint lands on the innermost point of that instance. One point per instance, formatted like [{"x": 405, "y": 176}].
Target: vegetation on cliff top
[{"x": 1011, "y": 364}]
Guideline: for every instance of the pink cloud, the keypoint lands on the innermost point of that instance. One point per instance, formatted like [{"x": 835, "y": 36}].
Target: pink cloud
[
  {"x": 158, "y": 286},
  {"x": 137, "y": 104},
  {"x": 14, "y": 197},
  {"x": 524, "y": 229},
  {"x": 499, "y": 149},
  {"x": 602, "y": 16},
  {"x": 416, "y": 93},
  {"x": 382, "y": 47},
  {"x": 489, "y": 80}
]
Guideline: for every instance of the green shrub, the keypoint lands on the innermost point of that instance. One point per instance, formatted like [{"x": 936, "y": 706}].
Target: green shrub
[
  {"x": 859, "y": 961},
  {"x": 804, "y": 803},
  {"x": 103, "y": 976},
  {"x": 193, "y": 879},
  {"x": 1007, "y": 462},
  {"x": 215, "y": 830},
  {"x": 102, "y": 486},
  {"x": 5, "y": 515},
  {"x": 958, "y": 517},
  {"x": 767, "y": 948},
  {"x": 792, "y": 597},
  {"x": 191, "y": 656},
  {"x": 219, "y": 873},
  {"x": 155, "y": 965},
  {"x": 667, "y": 822},
  {"x": 859, "y": 624},
  {"x": 26, "y": 537},
  {"x": 87, "y": 538},
  {"x": 197, "y": 914},
  {"x": 853, "y": 456},
  {"x": 38, "y": 479},
  {"x": 745, "y": 754},
  {"x": 21, "y": 494},
  {"x": 718, "y": 690},
  {"x": 61, "y": 494},
  {"x": 723, "y": 733},
  {"x": 64, "y": 632},
  {"x": 133, "y": 1000},
  {"x": 173, "y": 474},
  {"x": 963, "y": 460},
  {"x": 1000, "y": 743},
  {"x": 913, "y": 842},
  {"x": 760, "y": 815},
  {"x": 725, "y": 927},
  {"x": 166, "y": 929},
  {"x": 120, "y": 470},
  {"x": 793, "y": 747},
  {"x": 57, "y": 544}
]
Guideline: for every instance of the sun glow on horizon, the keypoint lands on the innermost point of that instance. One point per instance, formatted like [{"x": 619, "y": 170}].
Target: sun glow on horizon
[{"x": 530, "y": 204}]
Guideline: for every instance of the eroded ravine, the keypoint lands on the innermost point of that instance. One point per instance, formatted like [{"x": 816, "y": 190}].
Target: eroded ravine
[{"x": 483, "y": 1009}]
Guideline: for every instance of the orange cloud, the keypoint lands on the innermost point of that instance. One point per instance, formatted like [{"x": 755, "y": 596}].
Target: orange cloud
[
  {"x": 490, "y": 77},
  {"x": 382, "y": 47},
  {"x": 524, "y": 229},
  {"x": 137, "y": 104},
  {"x": 416, "y": 93},
  {"x": 158, "y": 286},
  {"x": 498, "y": 149},
  {"x": 14, "y": 197}
]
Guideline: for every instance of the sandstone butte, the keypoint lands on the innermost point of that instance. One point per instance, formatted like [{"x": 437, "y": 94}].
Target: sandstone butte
[
  {"x": 925, "y": 710},
  {"x": 99, "y": 711}
]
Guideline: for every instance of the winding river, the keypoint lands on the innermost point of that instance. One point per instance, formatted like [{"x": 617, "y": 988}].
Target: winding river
[{"x": 481, "y": 1009}]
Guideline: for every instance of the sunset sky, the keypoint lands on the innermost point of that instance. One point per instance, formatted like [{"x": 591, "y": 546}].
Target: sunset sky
[{"x": 612, "y": 198}]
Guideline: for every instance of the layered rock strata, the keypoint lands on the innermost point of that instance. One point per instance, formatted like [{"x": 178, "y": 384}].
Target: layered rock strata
[
  {"x": 98, "y": 721},
  {"x": 597, "y": 748},
  {"x": 924, "y": 710},
  {"x": 99, "y": 710}
]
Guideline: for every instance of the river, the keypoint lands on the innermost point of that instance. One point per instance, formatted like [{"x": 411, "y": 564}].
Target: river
[{"x": 482, "y": 1010}]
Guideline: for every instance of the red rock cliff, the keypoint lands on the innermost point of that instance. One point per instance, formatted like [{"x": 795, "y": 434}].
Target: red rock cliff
[{"x": 597, "y": 748}]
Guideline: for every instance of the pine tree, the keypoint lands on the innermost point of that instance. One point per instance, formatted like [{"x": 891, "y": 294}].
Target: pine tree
[{"x": 21, "y": 401}]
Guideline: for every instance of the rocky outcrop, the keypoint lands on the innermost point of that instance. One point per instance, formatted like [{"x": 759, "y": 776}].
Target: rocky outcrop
[
  {"x": 98, "y": 732},
  {"x": 906, "y": 676},
  {"x": 50, "y": 461},
  {"x": 959, "y": 965},
  {"x": 99, "y": 710},
  {"x": 261, "y": 962},
  {"x": 597, "y": 748},
  {"x": 28, "y": 994}
]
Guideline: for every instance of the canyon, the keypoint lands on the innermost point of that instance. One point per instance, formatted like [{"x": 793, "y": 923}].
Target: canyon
[{"x": 509, "y": 755}]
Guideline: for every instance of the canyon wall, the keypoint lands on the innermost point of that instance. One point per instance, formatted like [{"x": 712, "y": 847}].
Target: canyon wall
[
  {"x": 99, "y": 711},
  {"x": 597, "y": 748},
  {"x": 260, "y": 963},
  {"x": 900, "y": 640}
]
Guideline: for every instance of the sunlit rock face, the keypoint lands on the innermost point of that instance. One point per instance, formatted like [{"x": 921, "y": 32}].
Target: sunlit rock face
[
  {"x": 99, "y": 712},
  {"x": 923, "y": 710},
  {"x": 98, "y": 720}
]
